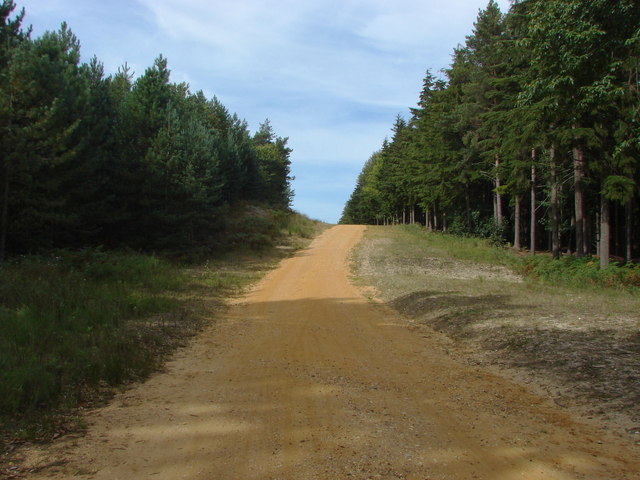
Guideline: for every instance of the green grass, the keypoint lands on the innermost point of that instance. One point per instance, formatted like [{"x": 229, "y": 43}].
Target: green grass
[
  {"x": 75, "y": 322},
  {"x": 568, "y": 271},
  {"x": 473, "y": 249},
  {"x": 69, "y": 321},
  {"x": 299, "y": 225},
  {"x": 579, "y": 272}
]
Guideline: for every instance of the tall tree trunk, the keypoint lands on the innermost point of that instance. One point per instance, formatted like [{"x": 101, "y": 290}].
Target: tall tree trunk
[
  {"x": 516, "y": 235},
  {"x": 615, "y": 230},
  {"x": 555, "y": 210},
  {"x": 498, "y": 195},
  {"x": 4, "y": 214},
  {"x": 597, "y": 215},
  {"x": 467, "y": 202},
  {"x": 570, "y": 240},
  {"x": 435, "y": 218},
  {"x": 534, "y": 220},
  {"x": 4, "y": 208},
  {"x": 629, "y": 231},
  {"x": 588, "y": 231},
  {"x": 605, "y": 232},
  {"x": 578, "y": 178},
  {"x": 427, "y": 213}
]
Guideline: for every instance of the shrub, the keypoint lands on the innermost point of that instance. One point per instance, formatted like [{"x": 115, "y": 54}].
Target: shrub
[{"x": 578, "y": 272}]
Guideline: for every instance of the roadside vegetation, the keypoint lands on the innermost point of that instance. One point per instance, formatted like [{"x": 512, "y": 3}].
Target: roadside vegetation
[
  {"x": 580, "y": 272},
  {"x": 77, "y": 325},
  {"x": 572, "y": 333}
]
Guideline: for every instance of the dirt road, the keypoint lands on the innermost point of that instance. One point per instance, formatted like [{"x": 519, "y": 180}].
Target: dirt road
[{"x": 306, "y": 379}]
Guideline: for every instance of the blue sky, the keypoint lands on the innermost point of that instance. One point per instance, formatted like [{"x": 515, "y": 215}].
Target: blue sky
[{"x": 329, "y": 74}]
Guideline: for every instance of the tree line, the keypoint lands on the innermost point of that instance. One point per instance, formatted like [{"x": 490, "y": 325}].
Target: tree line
[
  {"x": 88, "y": 159},
  {"x": 532, "y": 134}
]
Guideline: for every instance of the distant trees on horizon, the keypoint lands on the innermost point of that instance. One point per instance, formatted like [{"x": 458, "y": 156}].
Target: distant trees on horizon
[{"x": 532, "y": 134}]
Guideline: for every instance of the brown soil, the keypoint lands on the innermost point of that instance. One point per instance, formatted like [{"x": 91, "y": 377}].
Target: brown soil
[
  {"x": 578, "y": 346},
  {"x": 307, "y": 379}
]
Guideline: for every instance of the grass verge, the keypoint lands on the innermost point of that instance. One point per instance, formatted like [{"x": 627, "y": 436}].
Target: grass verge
[
  {"x": 578, "y": 344},
  {"x": 74, "y": 320}
]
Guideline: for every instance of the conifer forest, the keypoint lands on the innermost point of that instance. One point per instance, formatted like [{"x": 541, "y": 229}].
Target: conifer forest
[
  {"x": 531, "y": 136},
  {"x": 91, "y": 160}
]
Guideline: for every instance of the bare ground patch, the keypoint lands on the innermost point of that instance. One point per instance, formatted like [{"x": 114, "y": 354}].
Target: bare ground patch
[{"x": 582, "y": 348}]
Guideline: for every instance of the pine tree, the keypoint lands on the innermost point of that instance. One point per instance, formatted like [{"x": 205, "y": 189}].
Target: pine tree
[
  {"x": 11, "y": 35},
  {"x": 48, "y": 96},
  {"x": 274, "y": 165}
]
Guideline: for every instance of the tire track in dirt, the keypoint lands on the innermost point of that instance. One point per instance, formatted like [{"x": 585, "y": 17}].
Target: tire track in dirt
[{"x": 306, "y": 379}]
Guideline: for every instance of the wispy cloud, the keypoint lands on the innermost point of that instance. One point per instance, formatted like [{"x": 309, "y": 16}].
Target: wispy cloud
[{"x": 330, "y": 74}]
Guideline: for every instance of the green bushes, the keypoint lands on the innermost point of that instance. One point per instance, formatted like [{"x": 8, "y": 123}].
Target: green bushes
[
  {"x": 74, "y": 320},
  {"x": 480, "y": 227},
  {"x": 257, "y": 228},
  {"x": 579, "y": 272},
  {"x": 296, "y": 224},
  {"x": 253, "y": 231}
]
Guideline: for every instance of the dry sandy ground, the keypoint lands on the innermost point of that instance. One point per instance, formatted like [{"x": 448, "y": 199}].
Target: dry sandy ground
[{"x": 306, "y": 379}]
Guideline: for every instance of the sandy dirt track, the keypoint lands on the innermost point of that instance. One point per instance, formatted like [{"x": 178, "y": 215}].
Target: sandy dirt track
[{"x": 306, "y": 379}]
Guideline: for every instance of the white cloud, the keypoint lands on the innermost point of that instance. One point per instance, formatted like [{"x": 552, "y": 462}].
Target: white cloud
[{"x": 362, "y": 50}]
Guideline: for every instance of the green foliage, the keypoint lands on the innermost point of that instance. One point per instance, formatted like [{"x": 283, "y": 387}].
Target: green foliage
[
  {"x": 296, "y": 224},
  {"x": 274, "y": 166},
  {"x": 619, "y": 188},
  {"x": 580, "y": 272},
  {"x": 75, "y": 320},
  {"x": 485, "y": 228}
]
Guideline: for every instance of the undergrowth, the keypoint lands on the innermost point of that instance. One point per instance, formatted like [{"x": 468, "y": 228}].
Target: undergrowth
[
  {"x": 255, "y": 228},
  {"x": 296, "y": 224},
  {"x": 76, "y": 320},
  {"x": 579, "y": 272}
]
